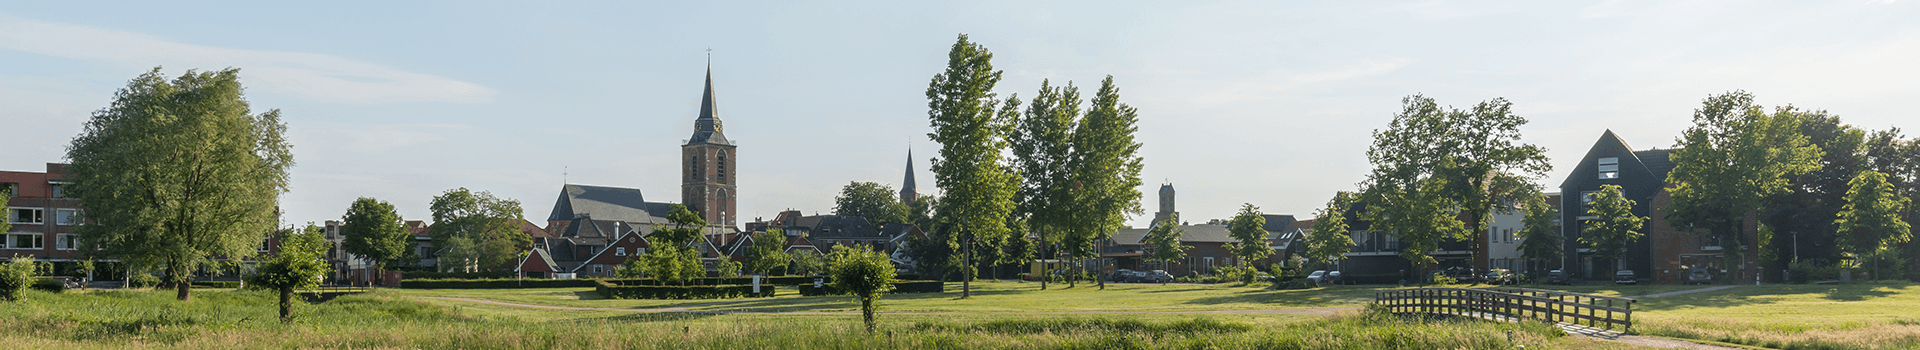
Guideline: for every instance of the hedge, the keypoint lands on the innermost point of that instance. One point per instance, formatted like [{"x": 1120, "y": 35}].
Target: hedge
[
  {"x": 774, "y": 280},
  {"x": 55, "y": 285},
  {"x": 216, "y": 284},
  {"x": 503, "y": 283},
  {"x": 456, "y": 275},
  {"x": 898, "y": 287},
  {"x": 615, "y": 291}
]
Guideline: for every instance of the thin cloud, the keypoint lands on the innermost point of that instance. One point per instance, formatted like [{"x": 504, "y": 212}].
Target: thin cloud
[
  {"x": 1282, "y": 80},
  {"x": 316, "y": 76}
]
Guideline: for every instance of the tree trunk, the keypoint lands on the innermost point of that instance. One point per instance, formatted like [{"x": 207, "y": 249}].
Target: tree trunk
[
  {"x": 866, "y": 311},
  {"x": 1099, "y": 275},
  {"x": 1042, "y": 261},
  {"x": 966, "y": 270},
  {"x": 286, "y": 304},
  {"x": 182, "y": 282}
]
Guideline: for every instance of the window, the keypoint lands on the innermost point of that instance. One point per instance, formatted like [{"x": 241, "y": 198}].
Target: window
[
  {"x": 617, "y": 251},
  {"x": 598, "y": 268},
  {"x": 66, "y": 216},
  {"x": 1586, "y": 202},
  {"x": 25, "y": 240},
  {"x": 12, "y": 189},
  {"x": 58, "y": 191},
  {"x": 266, "y": 245},
  {"x": 1609, "y": 168},
  {"x": 26, "y": 215},
  {"x": 640, "y": 251},
  {"x": 65, "y": 241}
]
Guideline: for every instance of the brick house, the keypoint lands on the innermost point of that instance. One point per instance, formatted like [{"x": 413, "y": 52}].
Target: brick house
[
  {"x": 44, "y": 219},
  {"x": 1666, "y": 253}
]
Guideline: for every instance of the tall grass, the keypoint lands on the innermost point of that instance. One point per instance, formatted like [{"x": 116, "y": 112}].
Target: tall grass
[{"x": 383, "y": 320}]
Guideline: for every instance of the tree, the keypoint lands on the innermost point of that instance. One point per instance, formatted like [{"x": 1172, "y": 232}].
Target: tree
[
  {"x": 1438, "y": 171},
  {"x": 1613, "y": 225},
  {"x": 462, "y": 255},
  {"x": 1733, "y": 156},
  {"x": 1249, "y": 233},
  {"x": 1329, "y": 239},
  {"x": 173, "y": 173},
  {"x": 1541, "y": 239},
  {"x": 878, "y": 203},
  {"x": 1042, "y": 144},
  {"x": 1799, "y": 221},
  {"x": 865, "y": 273},
  {"x": 682, "y": 227},
  {"x": 1870, "y": 223},
  {"x": 727, "y": 268},
  {"x": 491, "y": 226},
  {"x": 298, "y": 265},
  {"x": 373, "y": 229},
  {"x": 634, "y": 267},
  {"x": 1164, "y": 238},
  {"x": 768, "y": 254},
  {"x": 15, "y": 275},
  {"x": 1106, "y": 168},
  {"x": 978, "y": 191},
  {"x": 808, "y": 263},
  {"x": 673, "y": 263}
]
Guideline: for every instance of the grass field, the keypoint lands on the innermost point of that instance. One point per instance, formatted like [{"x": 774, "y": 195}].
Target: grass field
[{"x": 402, "y": 319}]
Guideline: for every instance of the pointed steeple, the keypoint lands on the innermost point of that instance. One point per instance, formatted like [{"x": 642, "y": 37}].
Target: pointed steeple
[
  {"x": 908, "y": 192},
  {"x": 707, "y": 127}
]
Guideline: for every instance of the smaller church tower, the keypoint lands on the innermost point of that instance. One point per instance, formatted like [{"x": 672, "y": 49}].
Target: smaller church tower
[
  {"x": 1166, "y": 205},
  {"x": 908, "y": 193},
  {"x": 706, "y": 182}
]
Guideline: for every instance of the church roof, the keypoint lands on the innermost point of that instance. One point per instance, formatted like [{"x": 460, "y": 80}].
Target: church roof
[
  {"x": 707, "y": 128},
  {"x": 907, "y": 187},
  {"x": 605, "y": 203}
]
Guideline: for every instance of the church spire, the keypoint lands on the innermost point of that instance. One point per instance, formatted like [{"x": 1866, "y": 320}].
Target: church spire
[
  {"x": 707, "y": 127},
  {"x": 908, "y": 193}
]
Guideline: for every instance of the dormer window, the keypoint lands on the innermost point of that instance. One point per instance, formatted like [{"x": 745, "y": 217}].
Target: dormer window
[{"x": 1609, "y": 168}]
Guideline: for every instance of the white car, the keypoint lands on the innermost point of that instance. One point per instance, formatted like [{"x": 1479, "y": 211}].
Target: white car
[{"x": 1324, "y": 277}]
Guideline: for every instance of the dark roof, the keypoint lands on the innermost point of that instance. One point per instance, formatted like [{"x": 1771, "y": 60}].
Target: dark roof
[
  {"x": 1657, "y": 161},
  {"x": 1130, "y": 236},
  {"x": 1205, "y": 233},
  {"x": 605, "y": 203},
  {"x": 1278, "y": 222},
  {"x": 706, "y": 129},
  {"x": 839, "y": 226}
]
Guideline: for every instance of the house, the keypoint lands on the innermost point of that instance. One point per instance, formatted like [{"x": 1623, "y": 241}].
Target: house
[
  {"x": 1666, "y": 253},
  {"x": 629, "y": 245},
  {"x": 1212, "y": 244},
  {"x": 537, "y": 264},
  {"x": 44, "y": 219}
]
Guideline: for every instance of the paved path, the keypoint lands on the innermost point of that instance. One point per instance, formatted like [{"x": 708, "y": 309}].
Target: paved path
[
  {"x": 1689, "y": 291},
  {"x": 686, "y": 308},
  {"x": 1636, "y": 340}
]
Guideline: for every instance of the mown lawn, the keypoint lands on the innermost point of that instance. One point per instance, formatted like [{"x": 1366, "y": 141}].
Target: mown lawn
[
  {"x": 988, "y": 297},
  {"x": 394, "y": 319},
  {"x": 1868, "y": 315}
]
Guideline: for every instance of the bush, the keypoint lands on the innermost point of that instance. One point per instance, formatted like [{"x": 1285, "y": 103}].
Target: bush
[
  {"x": 1440, "y": 279},
  {"x": 1378, "y": 278},
  {"x": 506, "y": 283},
  {"x": 50, "y": 285},
  {"x": 15, "y": 276},
  {"x": 709, "y": 281},
  {"x": 456, "y": 275},
  {"x": 615, "y": 291},
  {"x": 216, "y": 284},
  {"x": 1803, "y": 272},
  {"x": 898, "y": 287},
  {"x": 143, "y": 281}
]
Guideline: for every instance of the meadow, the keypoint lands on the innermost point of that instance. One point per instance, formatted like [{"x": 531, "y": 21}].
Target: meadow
[{"x": 407, "y": 319}]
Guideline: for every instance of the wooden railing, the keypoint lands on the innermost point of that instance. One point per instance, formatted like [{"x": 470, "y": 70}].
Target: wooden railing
[{"x": 1512, "y": 303}]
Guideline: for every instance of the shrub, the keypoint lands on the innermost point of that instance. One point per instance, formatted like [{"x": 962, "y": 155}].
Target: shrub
[
  {"x": 15, "y": 276},
  {"x": 504, "y": 283},
  {"x": 216, "y": 284},
  {"x": 615, "y": 291},
  {"x": 50, "y": 285},
  {"x": 1443, "y": 279},
  {"x": 143, "y": 281},
  {"x": 898, "y": 287},
  {"x": 456, "y": 275}
]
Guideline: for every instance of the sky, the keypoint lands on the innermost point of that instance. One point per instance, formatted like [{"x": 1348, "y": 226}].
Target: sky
[{"x": 1270, "y": 103}]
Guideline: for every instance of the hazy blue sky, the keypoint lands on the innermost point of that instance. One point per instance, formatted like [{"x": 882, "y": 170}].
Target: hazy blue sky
[{"x": 1265, "y": 102}]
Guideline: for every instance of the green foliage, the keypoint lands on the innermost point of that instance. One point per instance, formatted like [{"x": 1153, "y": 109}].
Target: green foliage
[
  {"x": 674, "y": 263},
  {"x": 142, "y": 280},
  {"x": 1106, "y": 167},
  {"x": 299, "y": 267},
  {"x": 374, "y": 229},
  {"x": 176, "y": 172},
  {"x": 1870, "y": 223},
  {"x": 978, "y": 191},
  {"x": 1329, "y": 239},
  {"x": 634, "y": 267},
  {"x": 1541, "y": 239},
  {"x": 876, "y": 202},
  {"x": 1613, "y": 225},
  {"x": 497, "y": 283},
  {"x": 457, "y": 275},
  {"x": 1164, "y": 238},
  {"x": 613, "y": 291},
  {"x": 682, "y": 228},
  {"x": 767, "y": 256},
  {"x": 462, "y": 255},
  {"x": 1439, "y": 171},
  {"x": 807, "y": 289},
  {"x": 488, "y": 227},
  {"x": 15, "y": 275},
  {"x": 50, "y": 285},
  {"x": 1042, "y": 144},
  {"x": 1248, "y": 229},
  {"x": 727, "y": 268},
  {"x": 1439, "y": 279},
  {"x": 810, "y": 263},
  {"x": 864, "y": 273},
  {"x": 216, "y": 284},
  {"x": 1734, "y": 156}
]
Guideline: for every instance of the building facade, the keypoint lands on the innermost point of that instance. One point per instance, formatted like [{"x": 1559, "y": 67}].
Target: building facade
[{"x": 707, "y": 179}]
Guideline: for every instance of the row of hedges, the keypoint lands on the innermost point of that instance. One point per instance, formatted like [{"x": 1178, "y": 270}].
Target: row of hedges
[
  {"x": 456, "y": 275},
  {"x": 898, "y": 287},
  {"x": 494, "y": 283},
  {"x": 216, "y": 284},
  {"x": 53, "y": 285},
  {"x": 772, "y": 280},
  {"x": 614, "y": 291}
]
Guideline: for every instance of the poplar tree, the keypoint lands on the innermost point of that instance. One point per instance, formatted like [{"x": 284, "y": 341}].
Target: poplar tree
[
  {"x": 1870, "y": 224},
  {"x": 1106, "y": 169},
  {"x": 977, "y": 189},
  {"x": 1042, "y": 145},
  {"x": 374, "y": 229},
  {"x": 1734, "y": 156},
  {"x": 1614, "y": 224},
  {"x": 173, "y": 173}
]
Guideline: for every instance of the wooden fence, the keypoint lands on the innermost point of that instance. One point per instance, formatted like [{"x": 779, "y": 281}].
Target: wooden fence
[{"x": 1512, "y": 303}]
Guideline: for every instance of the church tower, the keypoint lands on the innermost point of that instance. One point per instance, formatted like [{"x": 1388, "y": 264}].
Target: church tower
[
  {"x": 907, "y": 191},
  {"x": 706, "y": 182},
  {"x": 1166, "y": 205}
]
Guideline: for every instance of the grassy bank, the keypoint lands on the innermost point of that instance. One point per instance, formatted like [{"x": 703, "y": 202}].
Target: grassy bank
[
  {"x": 388, "y": 320},
  {"x": 1868, "y": 315}
]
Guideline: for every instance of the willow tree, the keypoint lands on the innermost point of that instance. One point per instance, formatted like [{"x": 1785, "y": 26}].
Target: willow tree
[
  {"x": 174, "y": 173},
  {"x": 977, "y": 189},
  {"x": 1438, "y": 172},
  {"x": 1735, "y": 156}
]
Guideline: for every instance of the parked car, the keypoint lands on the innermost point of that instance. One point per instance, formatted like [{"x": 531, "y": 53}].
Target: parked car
[
  {"x": 1699, "y": 276},
  {"x": 1624, "y": 277},
  {"x": 1324, "y": 277},
  {"x": 1157, "y": 276},
  {"x": 1497, "y": 277},
  {"x": 1557, "y": 277}
]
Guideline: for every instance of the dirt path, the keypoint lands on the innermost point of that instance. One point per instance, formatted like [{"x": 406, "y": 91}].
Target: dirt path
[
  {"x": 1636, "y": 340},
  {"x": 1311, "y": 311},
  {"x": 1689, "y": 291}
]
